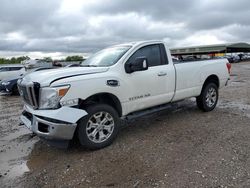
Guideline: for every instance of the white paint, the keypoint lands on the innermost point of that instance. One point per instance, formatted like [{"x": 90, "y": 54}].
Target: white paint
[
  {"x": 188, "y": 80},
  {"x": 67, "y": 114}
]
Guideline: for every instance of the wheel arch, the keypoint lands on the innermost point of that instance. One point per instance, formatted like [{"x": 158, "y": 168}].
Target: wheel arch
[
  {"x": 201, "y": 99},
  {"x": 212, "y": 79},
  {"x": 106, "y": 98}
]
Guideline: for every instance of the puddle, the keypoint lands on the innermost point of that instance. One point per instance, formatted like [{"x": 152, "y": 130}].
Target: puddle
[
  {"x": 241, "y": 108},
  {"x": 14, "y": 150},
  {"x": 238, "y": 83},
  {"x": 19, "y": 169},
  {"x": 16, "y": 142},
  {"x": 233, "y": 74}
]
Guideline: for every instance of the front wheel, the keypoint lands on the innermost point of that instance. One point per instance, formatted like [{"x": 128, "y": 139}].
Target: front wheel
[
  {"x": 99, "y": 128},
  {"x": 208, "y": 98}
]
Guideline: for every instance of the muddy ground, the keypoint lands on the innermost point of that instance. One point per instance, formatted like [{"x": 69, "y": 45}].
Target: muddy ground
[{"x": 182, "y": 147}]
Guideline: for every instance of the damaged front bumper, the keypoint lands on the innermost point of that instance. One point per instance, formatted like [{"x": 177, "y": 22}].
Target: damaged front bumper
[{"x": 58, "y": 124}]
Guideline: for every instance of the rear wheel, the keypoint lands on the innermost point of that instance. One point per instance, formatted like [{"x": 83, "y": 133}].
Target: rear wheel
[
  {"x": 99, "y": 128},
  {"x": 208, "y": 98}
]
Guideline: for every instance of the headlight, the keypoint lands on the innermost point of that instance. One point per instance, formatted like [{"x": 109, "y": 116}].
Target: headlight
[
  {"x": 50, "y": 97},
  {"x": 5, "y": 83}
]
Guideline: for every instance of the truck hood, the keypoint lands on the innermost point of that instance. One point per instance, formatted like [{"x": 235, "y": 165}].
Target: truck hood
[{"x": 46, "y": 77}]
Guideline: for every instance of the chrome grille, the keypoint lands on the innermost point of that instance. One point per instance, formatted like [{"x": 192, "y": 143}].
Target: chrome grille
[{"x": 30, "y": 94}]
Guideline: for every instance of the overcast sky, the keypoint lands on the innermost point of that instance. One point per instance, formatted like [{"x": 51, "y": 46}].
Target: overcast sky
[{"x": 59, "y": 27}]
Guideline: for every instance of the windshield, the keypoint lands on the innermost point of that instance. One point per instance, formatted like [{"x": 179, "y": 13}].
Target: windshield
[
  {"x": 2, "y": 69},
  {"x": 106, "y": 57}
]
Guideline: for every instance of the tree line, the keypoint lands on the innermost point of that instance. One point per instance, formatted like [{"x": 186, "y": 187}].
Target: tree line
[
  {"x": 18, "y": 60},
  {"x": 13, "y": 60}
]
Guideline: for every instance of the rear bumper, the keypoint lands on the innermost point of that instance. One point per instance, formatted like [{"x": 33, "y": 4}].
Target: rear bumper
[{"x": 59, "y": 124}]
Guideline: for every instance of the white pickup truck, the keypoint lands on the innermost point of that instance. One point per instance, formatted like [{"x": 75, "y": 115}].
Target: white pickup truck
[{"x": 119, "y": 82}]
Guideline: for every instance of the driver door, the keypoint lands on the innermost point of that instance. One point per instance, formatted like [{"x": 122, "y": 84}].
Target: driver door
[{"x": 154, "y": 86}]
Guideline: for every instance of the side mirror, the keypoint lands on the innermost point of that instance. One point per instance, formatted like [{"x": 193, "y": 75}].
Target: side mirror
[{"x": 140, "y": 64}]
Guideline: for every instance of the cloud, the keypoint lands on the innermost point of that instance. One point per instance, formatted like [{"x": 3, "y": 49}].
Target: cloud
[{"x": 52, "y": 27}]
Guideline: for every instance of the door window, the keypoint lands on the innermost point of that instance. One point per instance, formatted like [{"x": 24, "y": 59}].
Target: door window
[{"x": 151, "y": 52}]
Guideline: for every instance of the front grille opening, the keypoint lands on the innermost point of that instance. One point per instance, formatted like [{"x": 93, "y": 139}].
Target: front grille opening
[
  {"x": 43, "y": 127},
  {"x": 31, "y": 96},
  {"x": 30, "y": 93},
  {"x": 27, "y": 115},
  {"x": 37, "y": 91}
]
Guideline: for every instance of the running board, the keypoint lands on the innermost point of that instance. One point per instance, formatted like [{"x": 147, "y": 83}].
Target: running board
[{"x": 149, "y": 111}]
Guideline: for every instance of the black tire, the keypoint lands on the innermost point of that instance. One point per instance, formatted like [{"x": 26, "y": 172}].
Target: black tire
[
  {"x": 201, "y": 100},
  {"x": 83, "y": 124},
  {"x": 15, "y": 90}
]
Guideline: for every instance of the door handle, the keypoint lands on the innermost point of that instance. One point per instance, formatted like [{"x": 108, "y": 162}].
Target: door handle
[{"x": 162, "y": 74}]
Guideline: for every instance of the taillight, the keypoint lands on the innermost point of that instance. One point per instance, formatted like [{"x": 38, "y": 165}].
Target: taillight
[{"x": 229, "y": 66}]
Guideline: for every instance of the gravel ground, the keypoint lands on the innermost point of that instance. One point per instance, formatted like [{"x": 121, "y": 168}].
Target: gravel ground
[{"x": 181, "y": 147}]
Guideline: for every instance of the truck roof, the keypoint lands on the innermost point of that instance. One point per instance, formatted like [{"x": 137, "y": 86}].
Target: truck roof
[{"x": 136, "y": 43}]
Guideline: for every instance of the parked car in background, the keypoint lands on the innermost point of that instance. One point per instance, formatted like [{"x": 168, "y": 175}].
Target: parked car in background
[
  {"x": 190, "y": 58},
  {"x": 73, "y": 65},
  {"x": 9, "y": 86},
  {"x": 36, "y": 63},
  {"x": 8, "y": 71},
  {"x": 236, "y": 59},
  {"x": 245, "y": 57},
  {"x": 233, "y": 58},
  {"x": 175, "y": 59}
]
